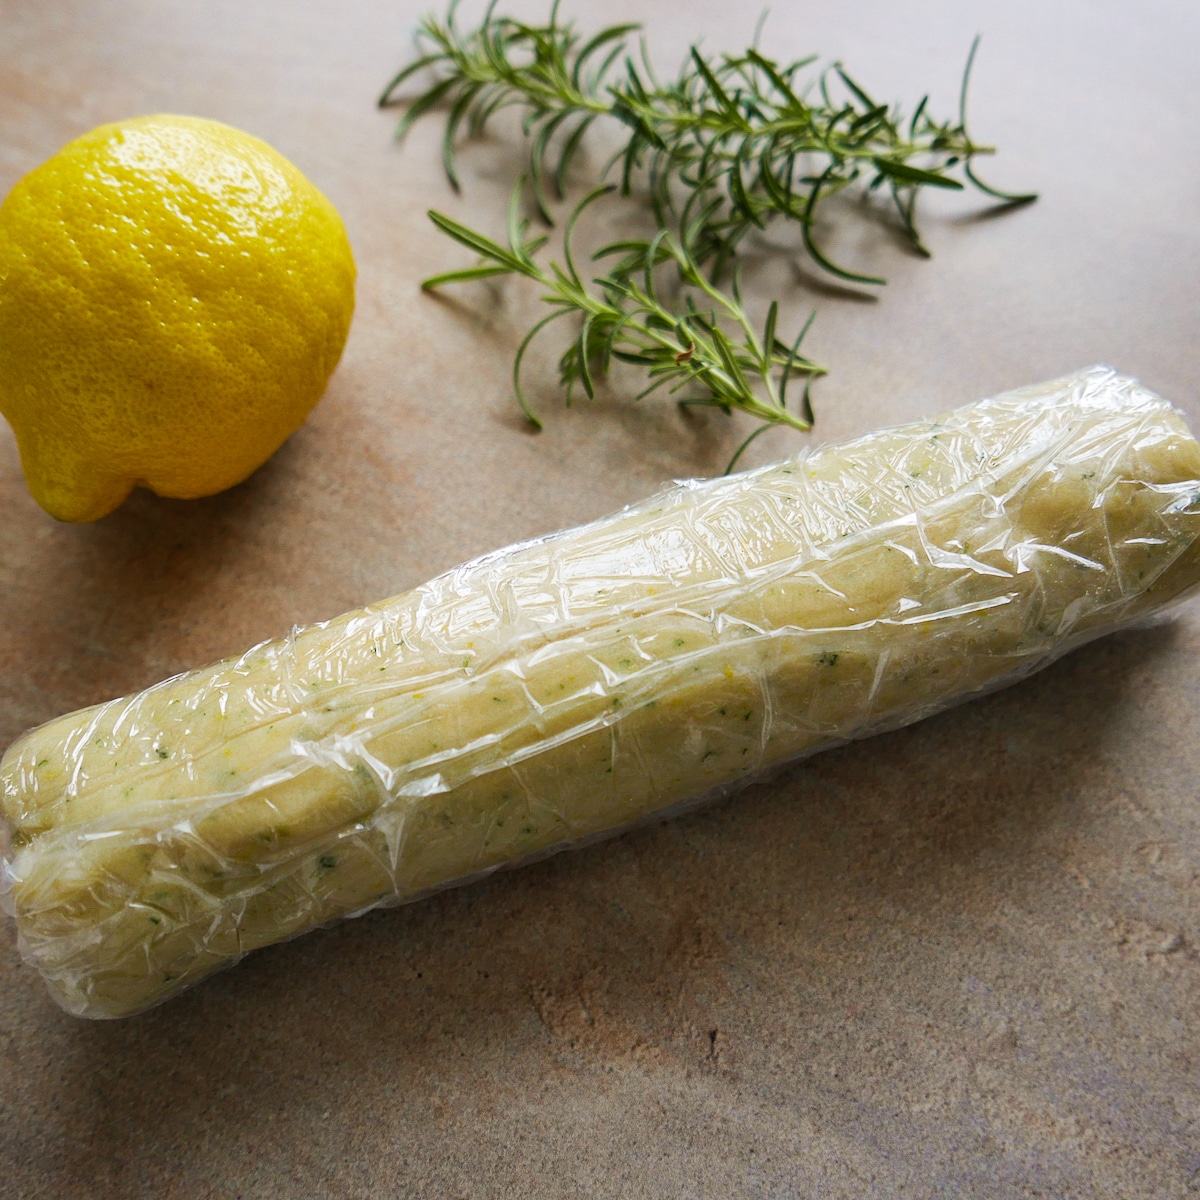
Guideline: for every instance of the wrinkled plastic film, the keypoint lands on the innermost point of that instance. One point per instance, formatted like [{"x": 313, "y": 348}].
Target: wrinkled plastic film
[{"x": 568, "y": 687}]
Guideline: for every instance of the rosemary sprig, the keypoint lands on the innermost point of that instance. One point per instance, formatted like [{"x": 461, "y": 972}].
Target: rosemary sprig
[
  {"x": 775, "y": 146},
  {"x": 624, "y": 318},
  {"x": 730, "y": 144}
]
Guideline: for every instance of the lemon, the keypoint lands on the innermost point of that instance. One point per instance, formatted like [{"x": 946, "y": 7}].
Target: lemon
[{"x": 174, "y": 295}]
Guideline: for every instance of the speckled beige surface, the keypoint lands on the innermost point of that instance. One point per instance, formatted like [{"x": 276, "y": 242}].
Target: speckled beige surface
[{"x": 958, "y": 960}]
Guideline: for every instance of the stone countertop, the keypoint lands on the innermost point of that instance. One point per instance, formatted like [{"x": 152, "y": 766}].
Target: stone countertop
[{"x": 958, "y": 960}]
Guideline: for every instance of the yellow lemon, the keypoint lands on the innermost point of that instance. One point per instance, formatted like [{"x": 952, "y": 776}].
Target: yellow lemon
[{"x": 174, "y": 296}]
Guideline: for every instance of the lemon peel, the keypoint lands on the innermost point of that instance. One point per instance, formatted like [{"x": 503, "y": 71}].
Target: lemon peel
[{"x": 174, "y": 295}]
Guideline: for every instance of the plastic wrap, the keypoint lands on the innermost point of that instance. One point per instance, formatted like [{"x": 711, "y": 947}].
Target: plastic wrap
[{"x": 566, "y": 688}]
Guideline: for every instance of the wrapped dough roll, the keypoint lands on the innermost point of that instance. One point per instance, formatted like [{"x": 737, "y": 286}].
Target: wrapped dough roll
[{"x": 569, "y": 687}]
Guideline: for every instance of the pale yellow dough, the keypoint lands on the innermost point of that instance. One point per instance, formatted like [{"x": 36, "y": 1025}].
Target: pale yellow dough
[{"x": 569, "y": 687}]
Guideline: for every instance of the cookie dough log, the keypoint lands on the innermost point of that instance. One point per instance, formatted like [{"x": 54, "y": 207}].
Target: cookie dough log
[{"x": 565, "y": 688}]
